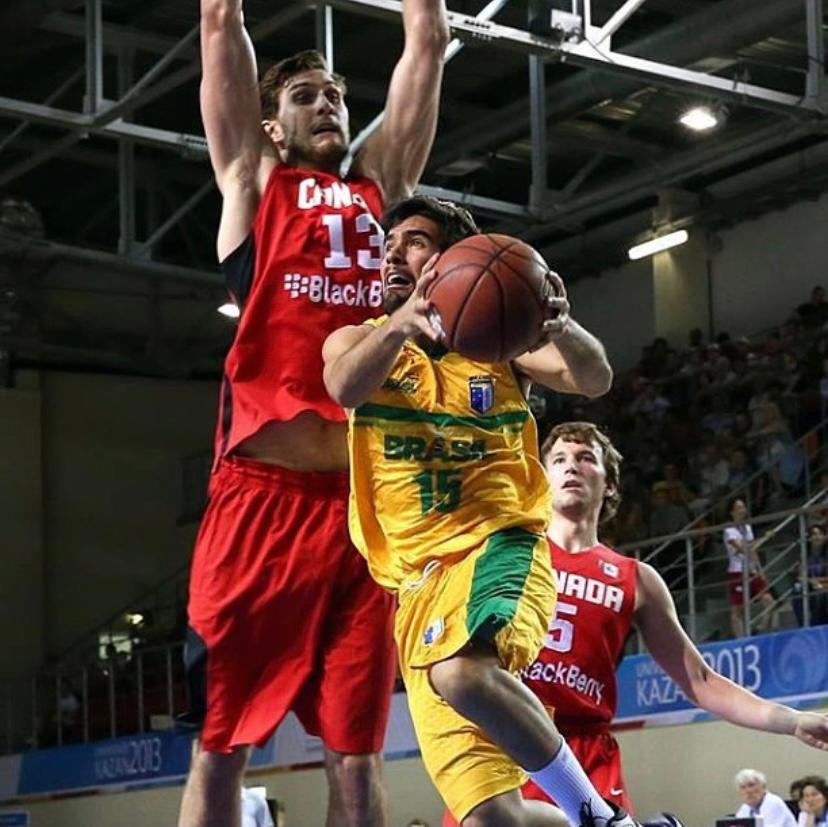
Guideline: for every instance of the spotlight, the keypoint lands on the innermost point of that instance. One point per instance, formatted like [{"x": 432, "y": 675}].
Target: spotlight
[
  {"x": 656, "y": 245},
  {"x": 134, "y": 618},
  {"x": 701, "y": 118},
  {"x": 230, "y": 310}
]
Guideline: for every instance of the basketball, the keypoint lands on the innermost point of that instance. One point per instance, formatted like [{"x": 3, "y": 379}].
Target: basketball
[{"x": 488, "y": 298}]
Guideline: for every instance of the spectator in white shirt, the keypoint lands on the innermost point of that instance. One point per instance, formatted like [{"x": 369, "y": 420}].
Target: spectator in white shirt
[
  {"x": 759, "y": 801},
  {"x": 739, "y": 544}
]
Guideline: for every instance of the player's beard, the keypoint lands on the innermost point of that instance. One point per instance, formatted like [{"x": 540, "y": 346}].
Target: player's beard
[
  {"x": 304, "y": 153},
  {"x": 392, "y": 302}
]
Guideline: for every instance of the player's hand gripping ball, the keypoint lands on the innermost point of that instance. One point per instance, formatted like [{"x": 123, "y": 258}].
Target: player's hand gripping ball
[{"x": 494, "y": 298}]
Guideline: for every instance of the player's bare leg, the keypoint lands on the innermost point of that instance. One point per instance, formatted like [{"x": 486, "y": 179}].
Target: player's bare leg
[
  {"x": 212, "y": 794},
  {"x": 475, "y": 684},
  {"x": 510, "y": 810},
  {"x": 356, "y": 794},
  {"x": 480, "y": 689}
]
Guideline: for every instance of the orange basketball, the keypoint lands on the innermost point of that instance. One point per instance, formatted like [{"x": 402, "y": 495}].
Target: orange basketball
[{"x": 488, "y": 299}]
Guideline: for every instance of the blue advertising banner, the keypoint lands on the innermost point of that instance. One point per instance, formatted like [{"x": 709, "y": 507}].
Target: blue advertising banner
[
  {"x": 158, "y": 758},
  {"x": 787, "y": 666},
  {"x": 791, "y": 667}
]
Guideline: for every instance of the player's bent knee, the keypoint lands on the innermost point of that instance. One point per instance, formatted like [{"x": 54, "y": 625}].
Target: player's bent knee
[
  {"x": 219, "y": 767},
  {"x": 348, "y": 769},
  {"x": 458, "y": 681}
]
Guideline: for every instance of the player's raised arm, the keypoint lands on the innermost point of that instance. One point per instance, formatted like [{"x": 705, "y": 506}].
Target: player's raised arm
[
  {"x": 396, "y": 154},
  {"x": 672, "y": 649},
  {"x": 358, "y": 359},
  {"x": 570, "y": 359},
  {"x": 231, "y": 113}
]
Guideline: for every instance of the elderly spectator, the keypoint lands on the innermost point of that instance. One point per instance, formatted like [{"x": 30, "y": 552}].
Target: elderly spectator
[
  {"x": 759, "y": 801},
  {"x": 813, "y": 803}
]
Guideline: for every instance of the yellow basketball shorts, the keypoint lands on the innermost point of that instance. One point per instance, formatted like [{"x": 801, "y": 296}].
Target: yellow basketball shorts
[{"x": 503, "y": 593}]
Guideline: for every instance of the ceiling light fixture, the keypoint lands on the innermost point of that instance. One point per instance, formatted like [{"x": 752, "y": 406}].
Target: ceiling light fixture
[
  {"x": 657, "y": 245},
  {"x": 700, "y": 118},
  {"x": 230, "y": 310}
]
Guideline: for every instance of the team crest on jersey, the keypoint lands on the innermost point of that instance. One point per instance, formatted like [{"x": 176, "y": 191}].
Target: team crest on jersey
[
  {"x": 434, "y": 631},
  {"x": 481, "y": 393},
  {"x": 610, "y": 569}
]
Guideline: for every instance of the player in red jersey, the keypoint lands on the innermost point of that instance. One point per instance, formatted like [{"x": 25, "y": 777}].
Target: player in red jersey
[
  {"x": 601, "y": 596},
  {"x": 283, "y": 614}
]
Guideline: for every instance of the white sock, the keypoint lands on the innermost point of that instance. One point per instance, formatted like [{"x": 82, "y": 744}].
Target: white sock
[{"x": 564, "y": 779}]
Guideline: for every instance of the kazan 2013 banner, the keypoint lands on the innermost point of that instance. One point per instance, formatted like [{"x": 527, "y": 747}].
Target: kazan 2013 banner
[{"x": 791, "y": 667}]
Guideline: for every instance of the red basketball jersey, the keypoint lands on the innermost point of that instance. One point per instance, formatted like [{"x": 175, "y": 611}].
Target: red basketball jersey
[
  {"x": 574, "y": 674},
  {"x": 309, "y": 266}
]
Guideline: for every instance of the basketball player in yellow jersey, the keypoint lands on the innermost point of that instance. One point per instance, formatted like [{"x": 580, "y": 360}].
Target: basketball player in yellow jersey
[{"x": 448, "y": 505}]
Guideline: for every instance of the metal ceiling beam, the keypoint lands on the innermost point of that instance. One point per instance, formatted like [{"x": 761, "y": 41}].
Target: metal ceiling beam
[
  {"x": 718, "y": 28},
  {"x": 584, "y": 53},
  {"x": 617, "y": 20},
  {"x": 19, "y": 17},
  {"x": 452, "y": 50},
  {"x": 193, "y": 147},
  {"x": 479, "y": 203},
  {"x": 816, "y": 48},
  {"x": 47, "y": 251},
  {"x": 626, "y": 190},
  {"x": 115, "y": 37},
  {"x": 54, "y": 97}
]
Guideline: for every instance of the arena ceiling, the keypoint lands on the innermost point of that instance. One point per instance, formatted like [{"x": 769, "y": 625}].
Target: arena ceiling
[{"x": 570, "y": 141}]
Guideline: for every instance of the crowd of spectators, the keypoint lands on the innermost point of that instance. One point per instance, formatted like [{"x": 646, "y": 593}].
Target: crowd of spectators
[{"x": 694, "y": 424}]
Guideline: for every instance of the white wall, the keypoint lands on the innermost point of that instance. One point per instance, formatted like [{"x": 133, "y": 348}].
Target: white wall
[
  {"x": 619, "y": 309},
  {"x": 761, "y": 270},
  {"x": 686, "y": 769},
  {"x": 768, "y": 266},
  {"x": 90, "y": 490},
  {"x": 21, "y": 532}
]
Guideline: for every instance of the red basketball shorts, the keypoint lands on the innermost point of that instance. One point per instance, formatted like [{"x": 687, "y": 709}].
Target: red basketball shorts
[
  {"x": 284, "y": 616},
  {"x": 756, "y": 583},
  {"x": 600, "y": 756}
]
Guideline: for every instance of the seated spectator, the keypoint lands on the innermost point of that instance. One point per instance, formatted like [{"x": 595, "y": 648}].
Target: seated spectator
[
  {"x": 759, "y": 801},
  {"x": 817, "y": 576},
  {"x": 740, "y": 468},
  {"x": 823, "y": 389},
  {"x": 677, "y": 492},
  {"x": 813, "y": 803},
  {"x": 629, "y": 525},
  {"x": 718, "y": 417},
  {"x": 741, "y": 555},
  {"x": 666, "y": 517},
  {"x": 695, "y": 339},
  {"x": 814, "y": 312},
  {"x": 649, "y": 402},
  {"x": 774, "y": 447},
  {"x": 713, "y": 472}
]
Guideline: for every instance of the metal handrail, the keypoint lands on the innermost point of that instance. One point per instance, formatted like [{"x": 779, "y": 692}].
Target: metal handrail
[{"x": 744, "y": 486}]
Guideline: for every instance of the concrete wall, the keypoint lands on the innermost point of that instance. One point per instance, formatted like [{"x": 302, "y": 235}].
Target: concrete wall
[
  {"x": 21, "y": 531},
  {"x": 686, "y": 769},
  {"x": 98, "y": 527},
  {"x": 760, "y": 270},
  {"x": 619, "y": 308},
  {"x": 767, "y": 267}
]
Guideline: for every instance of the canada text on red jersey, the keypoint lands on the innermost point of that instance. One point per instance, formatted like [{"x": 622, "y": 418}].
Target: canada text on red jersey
[
  {"x": 309, "y": 266},
  {"x": 575, "y": 671}
]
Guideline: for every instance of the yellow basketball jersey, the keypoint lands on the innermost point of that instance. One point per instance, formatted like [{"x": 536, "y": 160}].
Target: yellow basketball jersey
[{"x": 442, "y": 456}]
